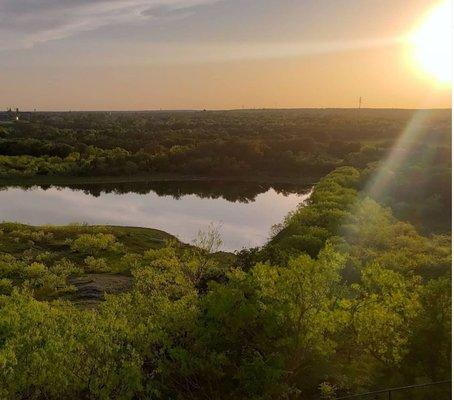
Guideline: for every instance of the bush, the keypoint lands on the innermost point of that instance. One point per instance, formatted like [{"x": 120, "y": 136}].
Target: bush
[
  {"x": 92, "y": 244},
  {"x": 93, "y": 264},
  {"x": 6, "y": 286}
]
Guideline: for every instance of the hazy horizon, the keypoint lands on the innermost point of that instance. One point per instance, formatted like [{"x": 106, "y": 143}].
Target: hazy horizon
[{"x": 226, "y": 109}]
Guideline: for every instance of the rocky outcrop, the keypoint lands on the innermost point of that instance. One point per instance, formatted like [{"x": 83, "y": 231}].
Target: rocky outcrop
[{"x": 91, "y": 288}]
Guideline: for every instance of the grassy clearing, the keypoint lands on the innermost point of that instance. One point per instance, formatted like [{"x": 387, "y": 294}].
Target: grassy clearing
[
  {"x": 49, "y": 259},
  {"x": 77, "y": 261},
  {"x": 19, "y": 238}
]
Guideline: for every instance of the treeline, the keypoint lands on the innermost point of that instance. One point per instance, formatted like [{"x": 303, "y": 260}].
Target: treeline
[
  {"x": 241, "y": 143},
  {"x": 344, "y": 298}
]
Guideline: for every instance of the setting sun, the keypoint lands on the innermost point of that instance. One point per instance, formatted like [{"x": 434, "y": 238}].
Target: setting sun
[{"x": 431, "y": 43}]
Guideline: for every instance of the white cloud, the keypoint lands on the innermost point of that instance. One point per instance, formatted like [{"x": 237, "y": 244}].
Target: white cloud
[{"x": 24, "y": 23}]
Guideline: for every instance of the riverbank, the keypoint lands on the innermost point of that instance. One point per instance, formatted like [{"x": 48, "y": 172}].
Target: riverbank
[{"x": 79, "y": 262}]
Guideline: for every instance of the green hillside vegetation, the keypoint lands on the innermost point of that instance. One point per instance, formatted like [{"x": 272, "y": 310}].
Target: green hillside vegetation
[
  {"x": 343, "y": 298},
  {"x": 222, "y": 143},
  {"x": 44, "y": 258}
]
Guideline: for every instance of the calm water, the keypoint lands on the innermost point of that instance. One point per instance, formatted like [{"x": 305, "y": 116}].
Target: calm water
[{"x": 244, "y": 213}]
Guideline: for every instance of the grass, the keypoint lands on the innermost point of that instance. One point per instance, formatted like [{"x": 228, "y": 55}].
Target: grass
[
  {"x": 139, "y": 239},
  {"x": 133, "y": 239},
  {"x": 46, "y": 257},
  {"x": 52, "y": 258},
  {"x": 51, "y": 244}
]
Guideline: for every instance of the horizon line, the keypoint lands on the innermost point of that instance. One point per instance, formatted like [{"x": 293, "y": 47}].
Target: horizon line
[{"x": 224, "y": 109}]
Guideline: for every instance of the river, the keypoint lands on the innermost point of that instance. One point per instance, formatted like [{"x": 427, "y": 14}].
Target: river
[{"x": 243, "y": 212}]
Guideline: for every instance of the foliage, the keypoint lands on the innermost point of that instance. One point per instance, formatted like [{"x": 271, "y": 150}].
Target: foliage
[
  {"x": 344, "y": 298},
  {"x": 43, "y": 259},
  {"x": 92, "y": 244}
]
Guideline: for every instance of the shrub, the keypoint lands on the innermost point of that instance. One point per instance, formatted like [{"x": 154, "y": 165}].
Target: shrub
[
  {"x": 6, "y": 286},
  {"x": 92, "y": 244},
  {"x": 93, "y": 264}
]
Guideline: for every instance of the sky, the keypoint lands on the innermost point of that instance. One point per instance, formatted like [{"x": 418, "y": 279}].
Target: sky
[{"x": 214, "y": 54}]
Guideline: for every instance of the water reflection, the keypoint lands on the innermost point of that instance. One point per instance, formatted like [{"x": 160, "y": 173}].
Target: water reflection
[
  {"x": 244, "y": 211},
  {"x": 243, "y": 192}
]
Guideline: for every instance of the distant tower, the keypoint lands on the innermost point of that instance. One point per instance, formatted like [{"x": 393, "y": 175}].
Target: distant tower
[{"x": 360, "y": 102}]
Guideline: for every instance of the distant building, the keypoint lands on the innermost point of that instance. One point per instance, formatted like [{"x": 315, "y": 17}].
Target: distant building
[{"x": 10, "y": 115}]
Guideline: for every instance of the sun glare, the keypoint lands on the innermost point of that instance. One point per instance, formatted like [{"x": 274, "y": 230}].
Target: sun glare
[{"x": 431, "y": 43}]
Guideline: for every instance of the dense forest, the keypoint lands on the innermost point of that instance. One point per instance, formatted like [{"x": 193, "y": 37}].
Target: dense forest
[
  {"x": 351, "y": 293},
  {"x": 227, "y": 143}
]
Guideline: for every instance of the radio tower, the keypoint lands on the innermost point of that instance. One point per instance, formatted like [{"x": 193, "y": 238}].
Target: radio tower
[{"x": 359, "y": 102}]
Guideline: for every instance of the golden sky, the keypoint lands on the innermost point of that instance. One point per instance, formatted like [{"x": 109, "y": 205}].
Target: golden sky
[{"x": 195, "y": 54}]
